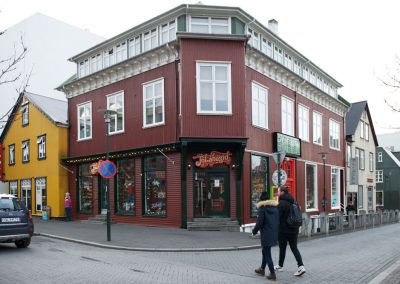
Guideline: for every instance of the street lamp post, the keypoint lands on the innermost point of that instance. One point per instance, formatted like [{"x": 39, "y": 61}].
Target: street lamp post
[
  {"x": 323, "y": 154},
  {"x": 107, "y": 118}
]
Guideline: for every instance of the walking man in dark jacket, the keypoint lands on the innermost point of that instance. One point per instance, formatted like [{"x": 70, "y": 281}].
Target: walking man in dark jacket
[
  {"x": 286, "y": 233},
  {"x": 267, "y": 224}
]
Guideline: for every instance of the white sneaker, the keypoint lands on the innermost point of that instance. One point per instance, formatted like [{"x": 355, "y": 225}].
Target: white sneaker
[
  {"x": 300, "y": 271},
  {"x": 278, "y": 268}
]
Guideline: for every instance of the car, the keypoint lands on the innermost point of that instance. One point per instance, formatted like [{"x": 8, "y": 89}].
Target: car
[{"x": 16, "y": 224}]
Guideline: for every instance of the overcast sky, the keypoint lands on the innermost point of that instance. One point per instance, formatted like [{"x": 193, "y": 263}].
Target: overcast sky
[{"x": 354, "y": 41}]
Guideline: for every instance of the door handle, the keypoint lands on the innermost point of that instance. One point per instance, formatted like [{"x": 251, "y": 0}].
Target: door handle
[{"x": 209, "y": 195}]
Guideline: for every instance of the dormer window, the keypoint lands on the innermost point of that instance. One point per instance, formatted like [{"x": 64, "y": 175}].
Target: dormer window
[
  {"x": 108, "y": 57},
  {"x": 120, "y": 52},
  {"x": 150, "y": 40},
  {"x": 168, "y": 32},
  {"x": 209, "y": 25},
  {"x": 25, "y": 115}
]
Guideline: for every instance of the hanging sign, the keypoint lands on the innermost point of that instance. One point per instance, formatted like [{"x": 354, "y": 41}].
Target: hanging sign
[
  {"x": 107, "y": 169},
  {"x": 94, "y": 167},
  {"x": 212, "y": 159},
  {"x": 288, "y": 144}
]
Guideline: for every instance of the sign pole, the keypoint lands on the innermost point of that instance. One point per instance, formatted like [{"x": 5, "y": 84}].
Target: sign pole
[{"x": 107, "y": 188}]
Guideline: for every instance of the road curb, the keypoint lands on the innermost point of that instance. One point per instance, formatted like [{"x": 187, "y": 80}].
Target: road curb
[{"x": 99, "y": 245}]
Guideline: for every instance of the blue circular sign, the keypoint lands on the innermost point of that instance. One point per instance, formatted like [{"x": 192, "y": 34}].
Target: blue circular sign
[{"x": 107, "y": 169}]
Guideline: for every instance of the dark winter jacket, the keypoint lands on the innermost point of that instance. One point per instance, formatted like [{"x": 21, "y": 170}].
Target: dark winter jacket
[
  {"x": 267, "y": 222},
  {"x": 285, "y": 201}
]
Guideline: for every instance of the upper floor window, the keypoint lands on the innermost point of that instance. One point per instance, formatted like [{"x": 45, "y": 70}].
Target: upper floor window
[
  {"x": 25, "y": 151},
  {"x": 108, "y": 57},
  {"x": 120, "y": 52},
  {"x": 213, "y": 88},
  {"x": 306, "y": 74},
  {"x": 84, "y": 121},
  {"x": 134, "y": 46},
  {"x": 287, "y": 116},
  {"x": 288, "y": 62},
  {"x": 96, "y": 62},
  {"x": 303, "y": 116},
  {"x": 259, "y": 105},
  {"x": 334, "y": 136},
  {"x": 348, "y": 155},
  {"x": 25, "y": 114},
  {"x": 379, "y": 176},
  {"x": 153, "y": 103},
  {"x": 317, "y": 128},
  {"x": 362, "y": 159},
  {"x": 362, "y": 129},
  {"x": 278, "y": 54},
  {"x": 254, "y": 38},
  {"x": 41, "y": 142},
  {"x": 371, "y": 162},
  {"x": 84, "y": 68},
  {"x": 209, "y": 25},
  {"x": 168, "y": 32},
  {"x": 380, "y": 157},
  {"x": 297, "y": 67},
  {"x": 150, "y": 40},
  {"x": 313, "y": 78},
  {"x": 366, "y": 132},
  {"x": 266, "y": 47},
  {"x": 11, "y": 154},
  {"x": 115, "y": 102}
]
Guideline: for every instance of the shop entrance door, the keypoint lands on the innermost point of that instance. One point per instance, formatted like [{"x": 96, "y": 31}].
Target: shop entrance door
[
  {"x": 102, "y": 196},
  {"x": 211, "y": 194}
]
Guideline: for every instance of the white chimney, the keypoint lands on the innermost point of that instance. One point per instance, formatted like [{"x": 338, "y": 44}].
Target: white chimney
[{"x": 273, "y": 26}]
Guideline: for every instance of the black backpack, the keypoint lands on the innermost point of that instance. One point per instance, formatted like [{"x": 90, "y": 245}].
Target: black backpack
[{"x": 294, "y": 219}]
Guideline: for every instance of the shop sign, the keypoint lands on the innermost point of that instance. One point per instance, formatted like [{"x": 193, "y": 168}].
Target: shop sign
[
  {"x": 288, "y": 144},
  {"x": 370, "y": 180},
  {"x": 212, "y": 159},
  {"x": 1, "y": 162},
  {"x": 94, "y": 167}
]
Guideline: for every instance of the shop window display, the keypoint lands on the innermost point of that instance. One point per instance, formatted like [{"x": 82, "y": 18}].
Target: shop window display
[
  {"x": 259, "y": 180},
  {"x": 155, "y": 186},
  {"x": 85, "y": 190},
  {"x": 126, "y": 198}
]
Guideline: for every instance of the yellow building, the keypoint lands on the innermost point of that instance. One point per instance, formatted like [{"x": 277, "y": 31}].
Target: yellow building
[{"x": 33, "y": 142}]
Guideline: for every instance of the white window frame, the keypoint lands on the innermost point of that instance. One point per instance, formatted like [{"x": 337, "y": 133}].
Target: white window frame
[
  {"x": 288, "y": 61},
  {"x": 113, "y": 118},
  {"x": 259, "y": 105},
  {"x": 108, "y": 57},
  {"x": 26, "y": 187},
  {"x": 121, "y": 52},
  {"x": 208, "y": 22},
  {"x": 134, "y": 46},
  {"x": 297, "y": 67},
  {"x": 150, "y": 39},
  {"x": 278, "y": 54},
  {"x": 25, "y": 114},
  {"x": 317, "y": 128},
  {"x": 334, "y": 134},
  {"x": 41, "y": 141},
  {"x": 287, "y": 113},
  {"x": 85, "y": 105},
  {"x": 96, "y": 62},
  {"x": 267, "y": 47},
  {"x": 303, "y": 122},
  {"x": 13, "y": 187},
  {"x": 362, "y": 129},
  {"x": 366, "y": 132},
  {"x": 361, "y": 157},
  {"x": 254, "y": 40},
  {"x": 11, "y": 154},
  {"x": 335, "y": 171},
  {"x": 168, "y": 32},
  {"x": 315, "y": 187},
  {"x": 153, "y": 99},
  {"x": 40, "y": 188},
  {"x": 214, "y": 82},
  {"x": 371, "y": 161},
  {"x": 348, "y": 155},
  {"x": 380, "y": 157},
  {"x": 379, "y": 176},
  {"x": 25, "y": 151}
]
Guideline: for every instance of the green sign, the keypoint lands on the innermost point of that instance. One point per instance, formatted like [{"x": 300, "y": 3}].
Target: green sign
[{"x": 288, "y": 144}]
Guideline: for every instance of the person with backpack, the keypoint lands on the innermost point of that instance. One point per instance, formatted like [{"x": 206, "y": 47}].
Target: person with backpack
[
  {"x": 267, "y": 224},
  {"x": 288, "y": 230}
]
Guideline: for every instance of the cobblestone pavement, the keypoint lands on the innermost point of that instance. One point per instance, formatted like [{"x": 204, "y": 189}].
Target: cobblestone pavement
[{"x": 357, "y": 257}]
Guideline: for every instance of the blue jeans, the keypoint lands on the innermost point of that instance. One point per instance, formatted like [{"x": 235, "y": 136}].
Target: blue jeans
[
  {"x": 68, "y": 213},
  {"x": 267, "y": 258}
]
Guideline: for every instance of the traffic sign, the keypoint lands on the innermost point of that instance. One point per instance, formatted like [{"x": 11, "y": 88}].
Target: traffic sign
[
  {"x": 275, "y": 179},
  {"x": 278, "y": 156},
  {"x": 107, "y": 169}
]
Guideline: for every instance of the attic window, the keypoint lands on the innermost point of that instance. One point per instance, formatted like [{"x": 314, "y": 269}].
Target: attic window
[{"x": 25, "y": 115}]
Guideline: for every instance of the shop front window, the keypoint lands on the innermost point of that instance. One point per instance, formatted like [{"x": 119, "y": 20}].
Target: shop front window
[
  {"x": 259, "y": 180},
  {"x": 125, "y": 190},
  {"x": 85, "y": 189},
  {"x": 311, "y": 187},
  {"x": 155, "y": 186}
]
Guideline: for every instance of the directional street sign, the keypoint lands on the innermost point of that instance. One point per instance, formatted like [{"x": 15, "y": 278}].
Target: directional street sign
[
  {"x": 275, "y": 178},
  {"x": 107, "y": 169},
  {"x": 278, "y": 156}
]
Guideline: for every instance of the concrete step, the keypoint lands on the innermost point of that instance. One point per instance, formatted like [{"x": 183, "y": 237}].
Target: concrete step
[
  {"x": 213, "y": 224},
  {"x": 98, "y": 219}
]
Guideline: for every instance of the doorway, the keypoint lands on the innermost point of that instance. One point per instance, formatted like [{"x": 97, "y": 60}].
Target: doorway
[
  {"x": 211, "y": 194},
  {"x": 102, "y": 196}
]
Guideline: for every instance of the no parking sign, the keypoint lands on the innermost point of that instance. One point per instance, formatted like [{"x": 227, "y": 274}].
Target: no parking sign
[{"x": 107, "y": 169}]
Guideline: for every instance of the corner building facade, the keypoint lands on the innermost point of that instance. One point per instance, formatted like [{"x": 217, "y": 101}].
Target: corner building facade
[{"x": 204, "y": 95}]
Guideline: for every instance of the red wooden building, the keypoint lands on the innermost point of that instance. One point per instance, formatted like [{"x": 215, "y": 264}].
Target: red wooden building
[{"x": 204, "y": 96}]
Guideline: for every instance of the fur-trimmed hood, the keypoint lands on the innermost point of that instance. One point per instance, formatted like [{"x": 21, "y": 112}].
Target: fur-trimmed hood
[{"x": 271, "y": 202}]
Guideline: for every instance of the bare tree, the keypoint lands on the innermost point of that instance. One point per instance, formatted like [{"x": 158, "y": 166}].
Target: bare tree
[
  {"x": 10, "y": 64},
  {"x": 392, "y": 81}
]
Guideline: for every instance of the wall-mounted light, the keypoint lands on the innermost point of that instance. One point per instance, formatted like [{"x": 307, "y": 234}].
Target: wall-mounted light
[
  {"x": 233, "y": 166},
  {"x": 189, "y": 166}
]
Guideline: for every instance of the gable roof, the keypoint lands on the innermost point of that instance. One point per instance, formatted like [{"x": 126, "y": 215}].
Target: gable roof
[
  {"x": 393, "y": 157},
  {"x": 353, "y": 119},
  {"x": 55, "y": 110}
]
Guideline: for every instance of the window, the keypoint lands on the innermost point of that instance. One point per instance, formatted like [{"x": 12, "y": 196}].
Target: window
[
  {"x": 288, "y": 62},
  {"x": 334, "y": 135},
  {"x": 306, "y": 74},
  {"x": 370, "y": 197},
  {"x": 317, "y": 128},
  {"x": 303, "y": 122},
  {"x": 134, "y": 46},
  {"x": 150, "y": 40},
  {"x": 313, "y": 78},
  {"x": 108, "y": 57},
  {"x": 361, "y": 157},
  {"x": 362, "y": 129},
  {"x": 213, "y": 88},
  {"x": 366, "y": 132},
  {"x": 209, "y": 25},
  {"x": 84, "y": 68},
  {"x": 259, "y": 106},
  {"x": 168, "y": 32},
  {"x": 311, "y": 187},
  {"x": 120, "y": 52},
  {"x": 153, "y": 103},
  {"x": 11, "y": 154},
  {"x": 380, "y": 157},
  {"x": 259, "y": 180},
  {"x": 254, "y": 38},
  {"x": 348, "y": 155},
  {"x": 25, "y": 115},
  {"x": 371, "y": 162},
  {"x": 278, "y": 54},
  {"x": 85, "y": 189},
  {"x": 96, "y": 62},
  {"x": 379, "y": 176},
  {"x": 25, "y": 151},
  {"x": 26, "y": 193},
  {"x": 13, "y": 188},
  {"x": 287, "y": 116},
  {"x": 379, "y": 198},
  {"x": 155, "y": 186},
  {"x": 335, "y": 188},
  {"x": 41, "y": 199},
  {"x": 116, "y": 103},
  {"x": 297, "y": 67},
  {"x": 41, "y": 142},
  {"x": 85, "y": 121},
  {"x": 266, "y": 47},
  {"x": 360, "y": 196},
  {"x": 125, "y": 191}
]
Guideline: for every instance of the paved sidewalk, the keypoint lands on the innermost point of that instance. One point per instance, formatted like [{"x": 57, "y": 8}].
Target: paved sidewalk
[{"x": 142, "y": 238}]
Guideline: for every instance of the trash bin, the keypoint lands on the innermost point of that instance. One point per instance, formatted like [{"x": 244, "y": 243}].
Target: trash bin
[
  {"x": 48, "y": 211},
  {"x": 44, "y": 214}
]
